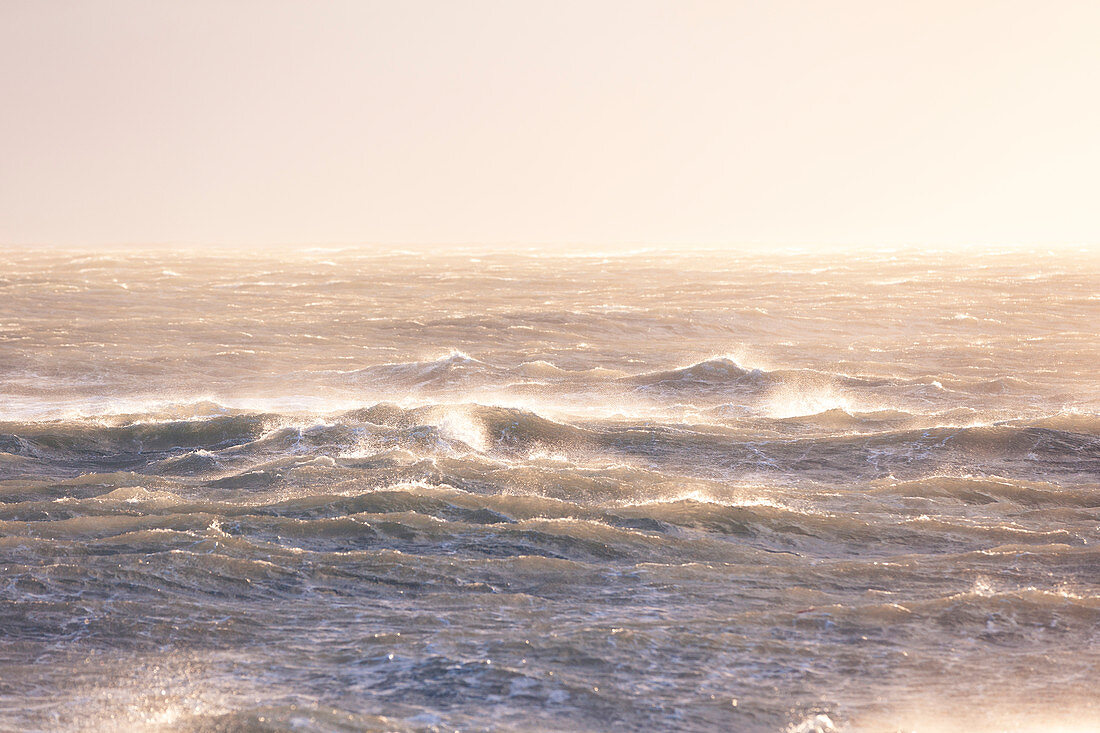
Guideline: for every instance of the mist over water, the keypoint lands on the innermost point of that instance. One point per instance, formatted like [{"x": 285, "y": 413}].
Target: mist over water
[{"x": 350, "y": 490}]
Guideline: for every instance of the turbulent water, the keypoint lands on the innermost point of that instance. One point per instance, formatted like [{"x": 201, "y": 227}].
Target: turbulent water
[{"x": 353, "y": 490}]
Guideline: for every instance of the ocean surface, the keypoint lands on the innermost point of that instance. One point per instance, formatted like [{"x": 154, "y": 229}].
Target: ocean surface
[{"x": 344, "y": 489}]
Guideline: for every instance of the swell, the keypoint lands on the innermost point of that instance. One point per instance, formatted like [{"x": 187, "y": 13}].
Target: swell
[
  {"x": 505, "y": 515},
  {"x": 58, "y": 440},
  {"x": 711, "y": 380},
  {"x": 832, "y": 446}
]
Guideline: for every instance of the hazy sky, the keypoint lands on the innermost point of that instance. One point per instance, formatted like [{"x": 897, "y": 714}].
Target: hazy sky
[{"x": 803, "y": 122}]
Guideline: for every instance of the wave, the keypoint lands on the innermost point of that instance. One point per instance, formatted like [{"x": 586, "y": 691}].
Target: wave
[
  {"x": 717, "y": 371},
  {"x": 717, "y": 388},
  {"x": 454, "y": 369},
  {"x": 831, "y": 445},
  {"x": 263, "y": 538},
  {"x": 795, "y": 393},
  {"x": 993, "y": 489},
  {"x": 73, "y": 439},
  {"x": 724, "y": 371}
]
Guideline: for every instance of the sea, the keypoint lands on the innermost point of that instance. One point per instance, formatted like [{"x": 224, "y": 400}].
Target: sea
[{"x": 528, "y": 489}]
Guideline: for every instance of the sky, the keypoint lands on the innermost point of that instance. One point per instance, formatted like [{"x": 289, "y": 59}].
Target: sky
[{"x": 948, "y": 123}]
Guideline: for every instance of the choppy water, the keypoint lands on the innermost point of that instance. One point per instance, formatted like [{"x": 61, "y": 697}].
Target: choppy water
[{"x": 342, "y": 490}]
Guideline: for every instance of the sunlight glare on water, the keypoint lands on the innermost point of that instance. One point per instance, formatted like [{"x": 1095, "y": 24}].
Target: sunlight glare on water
[{"x": 355, "y": 490}]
